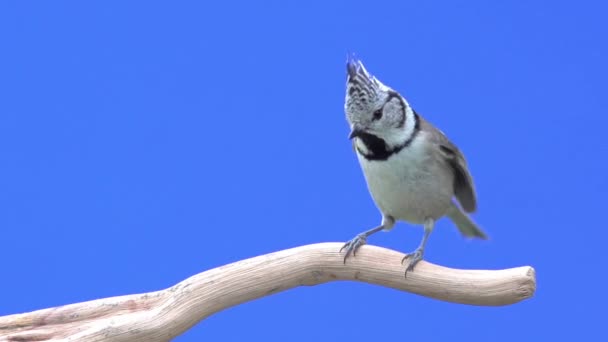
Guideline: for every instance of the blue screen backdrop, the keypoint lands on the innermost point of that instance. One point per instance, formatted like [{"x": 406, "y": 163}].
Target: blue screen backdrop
[{"x": 143, "y": 142}]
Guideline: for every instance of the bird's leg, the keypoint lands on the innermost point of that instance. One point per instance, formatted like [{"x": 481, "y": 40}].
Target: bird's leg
[
  {"x": 358, "y": 241},
  {"x": 417, "y": 254},
  {"x": 361, "y": 239}
]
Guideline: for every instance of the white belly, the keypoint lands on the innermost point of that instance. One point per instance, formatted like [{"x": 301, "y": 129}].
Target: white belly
[{"x": 411, "y": 185}]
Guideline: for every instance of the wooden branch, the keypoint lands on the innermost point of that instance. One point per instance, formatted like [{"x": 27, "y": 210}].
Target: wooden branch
[{"x": 165, "y": 314}]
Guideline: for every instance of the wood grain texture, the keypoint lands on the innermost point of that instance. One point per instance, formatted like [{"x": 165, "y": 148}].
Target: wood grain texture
[{"x": 164, "y": 314}]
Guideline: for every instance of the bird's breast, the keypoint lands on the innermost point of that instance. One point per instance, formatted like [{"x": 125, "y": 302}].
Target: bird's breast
[{"x": 410, "y": 185}]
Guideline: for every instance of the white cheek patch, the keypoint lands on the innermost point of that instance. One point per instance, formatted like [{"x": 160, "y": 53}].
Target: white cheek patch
[
  {"x": 393, "y": 109},
  {"x": 410, "y": 122},
  {"x": 361, "y": 146}
]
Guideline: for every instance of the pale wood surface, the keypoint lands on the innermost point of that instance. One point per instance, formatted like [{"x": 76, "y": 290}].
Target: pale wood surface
[{"x": 162, "y": 315}]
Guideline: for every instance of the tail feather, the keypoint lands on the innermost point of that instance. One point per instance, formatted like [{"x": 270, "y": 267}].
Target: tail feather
[{"x": 464, "y": 223}]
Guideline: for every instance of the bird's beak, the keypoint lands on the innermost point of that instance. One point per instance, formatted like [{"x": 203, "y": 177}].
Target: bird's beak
[{"x": 356, "y": 131}]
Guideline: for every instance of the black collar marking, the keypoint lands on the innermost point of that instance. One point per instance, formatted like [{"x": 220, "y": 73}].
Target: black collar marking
[{"x": 377, "y": 148}]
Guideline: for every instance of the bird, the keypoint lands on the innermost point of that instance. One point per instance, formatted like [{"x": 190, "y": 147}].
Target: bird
[{"x": 414, "y": 173}]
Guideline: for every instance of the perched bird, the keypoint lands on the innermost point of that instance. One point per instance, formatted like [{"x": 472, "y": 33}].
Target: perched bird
[{"x": 412, "y": 170}]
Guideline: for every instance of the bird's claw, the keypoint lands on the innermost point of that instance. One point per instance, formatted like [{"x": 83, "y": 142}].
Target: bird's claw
[
  {"x": 414, "y": 258},
  {"x": 354, "y": 244}
]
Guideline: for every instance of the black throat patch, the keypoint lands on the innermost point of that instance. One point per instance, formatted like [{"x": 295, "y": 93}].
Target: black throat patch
[{"x": 378, "y": 150}]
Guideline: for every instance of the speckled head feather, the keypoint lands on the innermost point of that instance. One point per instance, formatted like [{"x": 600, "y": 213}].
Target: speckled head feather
[{"x": 362, "y": 89}]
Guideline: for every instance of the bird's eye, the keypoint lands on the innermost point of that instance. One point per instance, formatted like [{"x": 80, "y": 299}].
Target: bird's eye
[{"x": 377, "y": 114}]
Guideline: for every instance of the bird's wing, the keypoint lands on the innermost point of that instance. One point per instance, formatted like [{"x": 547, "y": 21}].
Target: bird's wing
[{"x": 464, "y": 189}]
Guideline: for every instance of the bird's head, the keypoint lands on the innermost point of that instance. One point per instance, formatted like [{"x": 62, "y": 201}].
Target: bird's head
[{"x": 371, "y": 107}]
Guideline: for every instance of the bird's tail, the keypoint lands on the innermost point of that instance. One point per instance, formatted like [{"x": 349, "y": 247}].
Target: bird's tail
[{"x": 464, "y": 223}]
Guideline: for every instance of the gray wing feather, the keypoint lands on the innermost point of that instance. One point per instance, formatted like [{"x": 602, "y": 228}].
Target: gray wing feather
[{"x": 464, "y": 189}]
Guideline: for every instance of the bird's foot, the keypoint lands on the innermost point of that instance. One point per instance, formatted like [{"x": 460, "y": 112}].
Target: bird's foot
[
  {"x": 414, "y": 258},
  {"x": 354, "y": 244}
]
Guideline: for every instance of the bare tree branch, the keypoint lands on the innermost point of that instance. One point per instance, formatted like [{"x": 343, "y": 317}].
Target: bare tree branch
[{"x": 162, "y": 315}]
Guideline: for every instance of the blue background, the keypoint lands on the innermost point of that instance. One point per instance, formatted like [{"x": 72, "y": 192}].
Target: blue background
[{"x": 144, "y": 142}]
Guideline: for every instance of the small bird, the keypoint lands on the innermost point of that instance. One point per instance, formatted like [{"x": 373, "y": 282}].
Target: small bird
[{"x": 413, "y": 172}]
